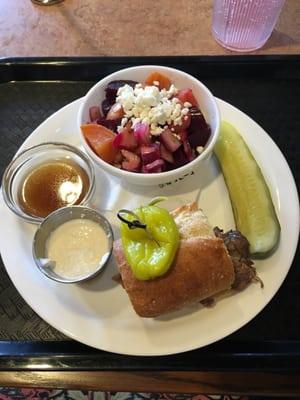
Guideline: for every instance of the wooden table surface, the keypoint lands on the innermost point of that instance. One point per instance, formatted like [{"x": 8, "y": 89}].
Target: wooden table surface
[
  {"x": 127, "y": 27},
  {"x": 131, "y": 28},
  {"x": 237, "y": 383}
]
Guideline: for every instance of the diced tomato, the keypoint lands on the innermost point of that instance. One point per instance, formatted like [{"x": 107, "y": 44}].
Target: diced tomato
[
  {"x": 100, "y": 140},
  {"x": 164, "y": 81},
  {"x": 187, "y": 95}
]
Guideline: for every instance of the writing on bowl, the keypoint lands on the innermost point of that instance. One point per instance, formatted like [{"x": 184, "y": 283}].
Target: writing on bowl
[{"x": 180, "y": 179}]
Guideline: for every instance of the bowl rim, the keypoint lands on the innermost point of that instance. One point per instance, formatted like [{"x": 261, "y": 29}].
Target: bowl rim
[
  {"x": 166, "y": 174},
  {"x": 69, "y": 209},
  {"x": 9, "y": 174}
]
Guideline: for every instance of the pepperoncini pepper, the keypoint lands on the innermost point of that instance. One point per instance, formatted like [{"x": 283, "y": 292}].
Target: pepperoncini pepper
[{"x": 150, "y": 239}]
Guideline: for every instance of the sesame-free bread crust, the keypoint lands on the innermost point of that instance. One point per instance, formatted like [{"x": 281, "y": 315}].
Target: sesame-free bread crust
[{"x": 202, "y": 268}]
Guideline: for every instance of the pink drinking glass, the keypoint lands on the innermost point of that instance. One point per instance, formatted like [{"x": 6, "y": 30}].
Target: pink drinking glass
[{"x": 244, "y": 25}]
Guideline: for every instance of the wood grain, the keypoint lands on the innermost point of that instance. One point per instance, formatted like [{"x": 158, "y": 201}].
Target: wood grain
[
  {"x": 128, "y": 27},
  {"x": 254, "y": 383}
]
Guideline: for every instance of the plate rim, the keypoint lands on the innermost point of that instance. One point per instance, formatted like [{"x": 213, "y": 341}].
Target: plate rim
[{"x": 213, "y": 340}]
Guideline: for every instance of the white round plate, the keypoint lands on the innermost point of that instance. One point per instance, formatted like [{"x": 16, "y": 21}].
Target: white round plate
[{"x": 98, "y": 313}]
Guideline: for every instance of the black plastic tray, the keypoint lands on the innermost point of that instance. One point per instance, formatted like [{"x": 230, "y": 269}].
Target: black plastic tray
[{"x": 267, "y": 88}]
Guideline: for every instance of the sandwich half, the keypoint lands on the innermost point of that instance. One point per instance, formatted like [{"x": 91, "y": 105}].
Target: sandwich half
[{"x": 202, "y": 268}]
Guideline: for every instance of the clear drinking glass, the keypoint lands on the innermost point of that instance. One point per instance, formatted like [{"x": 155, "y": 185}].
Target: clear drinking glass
[
  {"x": 46, "y": 2},
  {"x": 244, "y": 25}
]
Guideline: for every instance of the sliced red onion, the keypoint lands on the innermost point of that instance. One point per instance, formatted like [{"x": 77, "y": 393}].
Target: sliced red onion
[{"x": 141, "y": 132}]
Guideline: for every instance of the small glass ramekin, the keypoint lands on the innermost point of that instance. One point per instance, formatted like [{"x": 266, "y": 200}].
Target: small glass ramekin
[{"x": 24, "y": 162}]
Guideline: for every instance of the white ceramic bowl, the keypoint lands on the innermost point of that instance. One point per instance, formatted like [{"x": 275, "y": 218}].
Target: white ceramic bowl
[{"x": 181, "y": 80}]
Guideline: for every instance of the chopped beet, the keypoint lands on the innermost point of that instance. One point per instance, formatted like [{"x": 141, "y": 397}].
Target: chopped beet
[
  {"x": 137, "y": 150},
  {"x": 111, "y": 124},
  {"x": 156, "y": 166},
  {"x": 131, "y": 161},
  {"x": 170, "y": 140},
  {"x": 180, "y": 158},
  {"x": 183, "y": 135},
  {"x": 105, "y": 106},
  {"x": 150, "y": 153},
  {"x": 125, "y": 140},
  {"x": 198, "y": 138},
  {"x": 186, "y": 121},
  {"x": 112, "y": 89},
  {"x": 199, "y": 131},
  {"x": 166, "y": 154},
  {"x": 189, "y": 152}
]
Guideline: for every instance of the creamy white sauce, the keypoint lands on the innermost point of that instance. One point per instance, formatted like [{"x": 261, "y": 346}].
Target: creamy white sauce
[{"x": 77, "y": 247}]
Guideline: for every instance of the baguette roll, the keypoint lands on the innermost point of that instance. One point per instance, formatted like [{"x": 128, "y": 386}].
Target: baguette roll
[{"x": 202, "y": 268}]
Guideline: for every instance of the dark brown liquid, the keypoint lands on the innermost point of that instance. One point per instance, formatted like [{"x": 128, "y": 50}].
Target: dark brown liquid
[{"x": 51, "y": 186}]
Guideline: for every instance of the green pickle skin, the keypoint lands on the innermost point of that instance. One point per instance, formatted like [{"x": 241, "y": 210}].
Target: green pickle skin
[
  {"x": 150, "y": 254},
  {"x": 251, "y": 201}
]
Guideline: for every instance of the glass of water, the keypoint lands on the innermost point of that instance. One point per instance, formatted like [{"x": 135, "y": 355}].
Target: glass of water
[
  {"x": 244, "y": 25},
  {"x": 46, "y": 2}
]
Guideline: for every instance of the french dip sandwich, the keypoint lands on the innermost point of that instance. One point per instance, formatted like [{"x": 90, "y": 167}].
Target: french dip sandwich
[{"x": 207, "y": 262}]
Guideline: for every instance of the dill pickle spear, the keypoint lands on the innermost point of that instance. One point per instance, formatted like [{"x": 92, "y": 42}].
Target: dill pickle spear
[{"x": 252, "y": 205}]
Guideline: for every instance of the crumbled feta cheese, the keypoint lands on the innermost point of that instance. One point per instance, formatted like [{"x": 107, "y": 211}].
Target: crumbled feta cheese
[
  {"x": 199, "y": 149},
  {"x": 126, "y": 97},
  {"x": 172, "y": 90},
  {"x": 124, "y": 121},
  {"x": 184, "y": 111},
  {"x": 187, "y": 104},
  {"x": 178, "y": 121},
  {"x": 150, "y": 105},
  {"x": 156, "y": 83}
]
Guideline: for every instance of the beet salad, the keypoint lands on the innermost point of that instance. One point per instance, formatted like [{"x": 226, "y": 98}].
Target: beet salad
[{"x": 147, "y": 127}]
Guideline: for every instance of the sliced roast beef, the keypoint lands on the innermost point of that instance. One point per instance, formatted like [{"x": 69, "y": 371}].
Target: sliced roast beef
[{"x": 238, "y": 249}]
